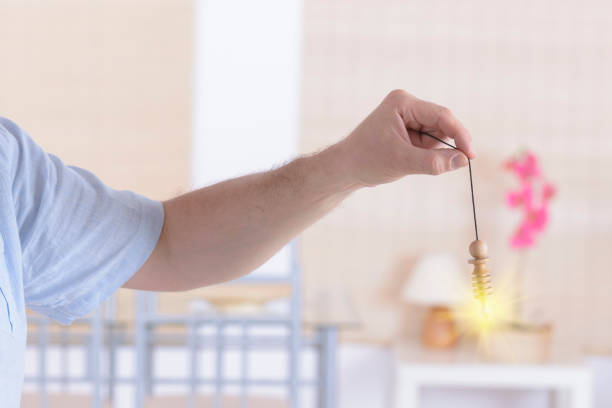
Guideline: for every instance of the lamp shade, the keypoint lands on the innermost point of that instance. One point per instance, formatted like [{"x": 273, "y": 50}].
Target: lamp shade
[{"x": 437, "y": 279}]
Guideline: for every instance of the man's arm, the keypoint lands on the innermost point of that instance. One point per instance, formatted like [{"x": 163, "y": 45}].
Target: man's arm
[{"x": 224, "y": 231}]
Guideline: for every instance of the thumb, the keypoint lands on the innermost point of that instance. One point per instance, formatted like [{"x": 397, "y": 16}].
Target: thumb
[{"x": 437, "y": 161}]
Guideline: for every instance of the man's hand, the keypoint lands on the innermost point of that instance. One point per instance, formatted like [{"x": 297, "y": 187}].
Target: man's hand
[
  {"x": 226, "y": 230},
  {"x": 387, "y": 145}
]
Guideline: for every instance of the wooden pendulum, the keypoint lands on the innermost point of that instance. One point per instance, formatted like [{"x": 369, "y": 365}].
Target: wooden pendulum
[{"x": 481, "y": 278}]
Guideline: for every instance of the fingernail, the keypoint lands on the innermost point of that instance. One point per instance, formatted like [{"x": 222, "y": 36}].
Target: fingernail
[{"x": 458, "y": 161}]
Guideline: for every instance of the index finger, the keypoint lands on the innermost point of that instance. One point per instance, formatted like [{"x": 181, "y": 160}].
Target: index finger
[{"x": 439, "y": 120}]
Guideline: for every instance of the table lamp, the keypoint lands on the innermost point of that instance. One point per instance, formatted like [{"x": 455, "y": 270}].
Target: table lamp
[{"x": 439, "y": 282}]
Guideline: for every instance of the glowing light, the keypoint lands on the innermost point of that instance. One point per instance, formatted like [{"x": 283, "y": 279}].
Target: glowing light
[
  {"x": 484, "y": 306},
  {"x": 479, "y": 316},
  {"x": 488, "y": 319}
]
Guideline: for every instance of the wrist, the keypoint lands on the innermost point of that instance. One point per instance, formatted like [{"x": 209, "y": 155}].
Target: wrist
[
  {"x": 336, "y": 166},
  {"x": 326, "y": 174}
]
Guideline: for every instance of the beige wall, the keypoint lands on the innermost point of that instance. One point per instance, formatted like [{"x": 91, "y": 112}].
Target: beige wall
[
  {"x": 104, "y": 84},
  {"x": 520, "y": 74}
]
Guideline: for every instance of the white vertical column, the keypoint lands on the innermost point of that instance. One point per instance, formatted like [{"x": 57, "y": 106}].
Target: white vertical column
[{"x": 246, "y": 86}]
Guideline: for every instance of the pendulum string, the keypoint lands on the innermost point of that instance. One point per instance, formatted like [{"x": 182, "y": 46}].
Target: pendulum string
[
  {"x": 471, "y": 182},
  {"x": 480, "y": 279}
]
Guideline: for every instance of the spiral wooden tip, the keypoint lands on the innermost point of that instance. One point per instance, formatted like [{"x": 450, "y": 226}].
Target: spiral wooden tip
[{"x": 481, "y": 284}]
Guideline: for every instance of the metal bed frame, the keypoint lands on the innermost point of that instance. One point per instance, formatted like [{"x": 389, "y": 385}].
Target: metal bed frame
[{"x": 105, "y": 335}]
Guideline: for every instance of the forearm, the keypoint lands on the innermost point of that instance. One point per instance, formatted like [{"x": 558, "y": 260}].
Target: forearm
[{"x": 226, "y": 230}]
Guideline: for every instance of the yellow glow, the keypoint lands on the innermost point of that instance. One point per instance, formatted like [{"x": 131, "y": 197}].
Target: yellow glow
[
  {"x": 489, "y": 318},
  {"x": 480, "y": 316}
]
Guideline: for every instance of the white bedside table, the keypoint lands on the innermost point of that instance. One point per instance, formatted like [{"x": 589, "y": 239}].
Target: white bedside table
[{"x": 569, "y": 382}]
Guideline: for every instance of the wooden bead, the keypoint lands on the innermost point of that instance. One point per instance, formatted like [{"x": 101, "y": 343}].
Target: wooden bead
[{"x": 478, "y": 249}]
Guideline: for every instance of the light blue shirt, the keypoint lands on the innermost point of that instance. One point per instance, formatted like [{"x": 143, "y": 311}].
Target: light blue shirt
[{"x": 67, "y": 242}]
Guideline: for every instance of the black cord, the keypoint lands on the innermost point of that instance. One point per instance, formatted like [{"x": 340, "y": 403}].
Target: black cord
[{"x": 471, "y": 182}]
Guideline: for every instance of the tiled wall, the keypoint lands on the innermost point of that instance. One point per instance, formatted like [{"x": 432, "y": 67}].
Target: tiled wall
[
  {"x": 104, "y": 84},
  {"x": 519, "y": 74}
]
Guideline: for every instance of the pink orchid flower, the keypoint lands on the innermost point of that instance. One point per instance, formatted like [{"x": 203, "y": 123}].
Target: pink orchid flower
[
  {"x": 533, "y": 201},
  {"x": 531, "y": 167},
  {"x": 548, "y": 191},
  {"x": 526, "y": 168},
  {"x": 520, "y": 197},
  {"x": 538, "y": 218},
  {"x": 523, "y": 237}
]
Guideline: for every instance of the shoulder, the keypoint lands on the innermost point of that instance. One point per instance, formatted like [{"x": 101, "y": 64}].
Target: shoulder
[
  {"x": 10, "y": 136},
  {"x": 9, "y": 130},
  {"x": 16, "y": 147},
  {"x": 8, "y": 125}
]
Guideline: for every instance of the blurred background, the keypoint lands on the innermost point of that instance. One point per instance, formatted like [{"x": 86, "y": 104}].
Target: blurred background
[{"x": 162, "y": 96}]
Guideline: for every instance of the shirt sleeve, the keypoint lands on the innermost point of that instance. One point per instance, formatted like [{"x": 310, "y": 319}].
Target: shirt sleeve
[{"x": 80, "y": 240}]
